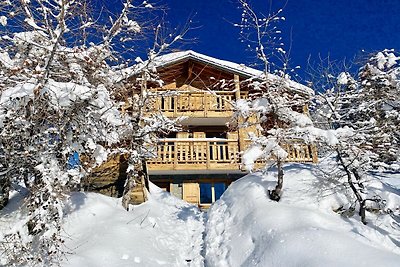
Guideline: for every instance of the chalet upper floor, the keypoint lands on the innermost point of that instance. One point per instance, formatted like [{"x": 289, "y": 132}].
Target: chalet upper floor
[
  {"x": 203, "y": 90},
  {"x": 199, "y": 86},
  {"x": 204, "y": 157}
]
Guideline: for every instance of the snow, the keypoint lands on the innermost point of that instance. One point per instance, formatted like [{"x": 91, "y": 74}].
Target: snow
[
  {"x": 243, "y": 228},
  {"x": 386, "y": 59},
  {"x": 163, "y": 231},
  {"x": 3, "y": 21},
  {"x": 133, "y": 26},
  {"x": 147, "y": 5},
  {"x": 64, "y": 94},
  {"x": 6, "y": 60},
  {"x": 100, "y": 154},
  {"x": 213, "y": 139},
  {"x": 329, "y": 137},
  {"x": 342, "y": 78},
  {"x": 19, "y": 91},
  {"x": 177, "y": 56},
  {"x": 31, "y": 22},
  {"x": 243, "y": 106},
  {"x": 251, "y": 155},
  {"x": 171, "y": 58}
]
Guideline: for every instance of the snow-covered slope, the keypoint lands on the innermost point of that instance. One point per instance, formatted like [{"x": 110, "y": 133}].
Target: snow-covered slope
[
  {"x": 164, "y": 231},
  {"x": 245, "y": 228}
]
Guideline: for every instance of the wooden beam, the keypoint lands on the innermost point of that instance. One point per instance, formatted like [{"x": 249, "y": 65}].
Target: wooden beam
[
  {"x": 190, "y": 71},
  {"x": 237, "y": 86}
]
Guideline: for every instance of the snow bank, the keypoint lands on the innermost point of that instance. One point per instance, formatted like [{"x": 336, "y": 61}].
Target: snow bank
[
  {"x": 245, "y": 228},
  {"x": 163, "y": 231}
]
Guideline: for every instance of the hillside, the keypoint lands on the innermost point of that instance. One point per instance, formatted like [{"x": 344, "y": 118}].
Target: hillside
[{"x": 243, "y": 228}]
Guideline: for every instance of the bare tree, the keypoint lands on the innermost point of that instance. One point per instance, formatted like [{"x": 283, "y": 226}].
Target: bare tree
[
  {"x": 61, "y": 67},
  {"x": 274, "y": 98},
  {"x": 364, "y": 110},
  {"x": 147, "y": 121}
]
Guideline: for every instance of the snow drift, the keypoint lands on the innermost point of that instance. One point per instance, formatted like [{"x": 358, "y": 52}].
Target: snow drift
[
  {"x": 164, "y": 231},
  {"x": 246, "y": 228},
  {"x": 243, "y": 228}
]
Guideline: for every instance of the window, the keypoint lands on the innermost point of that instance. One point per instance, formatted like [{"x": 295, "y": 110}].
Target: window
[
  {"x": 206, "y": 193},
  {"x": 210, "y": 192},
  {"x": 219, "y": 189}
]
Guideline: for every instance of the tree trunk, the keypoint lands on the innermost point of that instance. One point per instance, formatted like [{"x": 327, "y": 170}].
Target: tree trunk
[
  {"x": 4, "y": 191},
  {"x": 146, "y": 177},
  {"x": 276, "y": 193},
  {"x": 135, "y": 186},
  {"x": 359, "y": 198},
  {"x": 358, "y": 178},
  {"x": 362, "y": 211}
]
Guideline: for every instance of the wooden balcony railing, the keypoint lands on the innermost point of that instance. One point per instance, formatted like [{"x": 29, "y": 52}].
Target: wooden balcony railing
[
  {"x": 301, "y": 153},
  {"x": 297, "y": 151},
  {"x": 196, "y": 153},
  {"x": 197, "y": 103},
  {"x": 213, "y": 154}
]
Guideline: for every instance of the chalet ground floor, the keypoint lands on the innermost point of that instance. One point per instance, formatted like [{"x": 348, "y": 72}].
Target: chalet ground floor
[{"x": 198, "y": 189}]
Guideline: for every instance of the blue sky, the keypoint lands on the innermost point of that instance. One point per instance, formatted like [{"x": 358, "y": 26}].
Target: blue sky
[{"x": 339, "y": 28}]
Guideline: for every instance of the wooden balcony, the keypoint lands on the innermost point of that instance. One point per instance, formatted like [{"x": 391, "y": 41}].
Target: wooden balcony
[
  {"x": 301, "y": 153},
  {"x": 202, "y": 104},
  {"x": 213, "y": 154},
  {"x": 196, "y": 154},
  {"x": 297, "y": 152}
]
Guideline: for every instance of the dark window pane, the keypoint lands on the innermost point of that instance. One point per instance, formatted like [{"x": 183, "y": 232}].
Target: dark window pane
[
  {"x": 219, "y": 189},
  {"x": 205, "y": 193}
]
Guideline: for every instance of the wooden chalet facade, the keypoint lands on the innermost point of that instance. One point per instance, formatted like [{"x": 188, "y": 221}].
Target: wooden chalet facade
[{"x": 198, "y": 163}]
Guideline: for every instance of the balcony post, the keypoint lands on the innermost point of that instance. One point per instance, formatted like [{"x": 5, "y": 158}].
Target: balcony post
[
  {"x": 314, "y": 154},
  {"x": 208, "y": 147},
  {"x": 237, "y": 86},
  {"x": 175, "y": 105},
  {"x": 205, "y": 103},
  {"x": 175, "y": 155}
]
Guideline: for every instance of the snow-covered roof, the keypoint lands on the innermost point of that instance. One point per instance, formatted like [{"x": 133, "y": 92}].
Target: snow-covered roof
[
  {"x": 241, "y": 69},
  {"x": 172, "y": 58}
]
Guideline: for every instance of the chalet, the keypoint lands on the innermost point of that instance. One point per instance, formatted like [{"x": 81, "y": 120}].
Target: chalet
[{"x": 198, "y": 163}]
